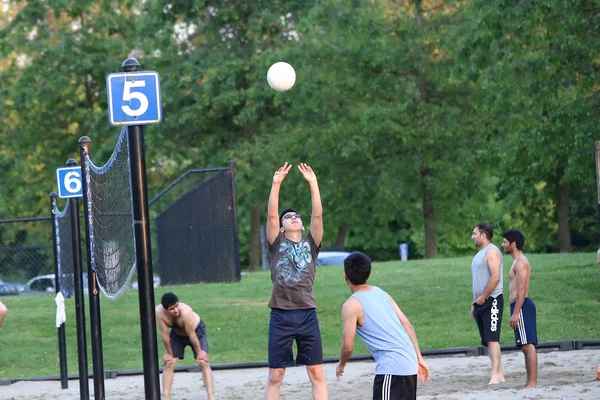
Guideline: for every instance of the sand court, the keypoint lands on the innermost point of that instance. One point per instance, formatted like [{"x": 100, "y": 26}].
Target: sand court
[{"x": 566, "y": 375}]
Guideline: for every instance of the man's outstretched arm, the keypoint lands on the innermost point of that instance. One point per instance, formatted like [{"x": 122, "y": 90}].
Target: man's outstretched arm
[
  {"x": 273, "y": 207},
  {"x": 422, "y": 368},
  {"x": 316, "y": 220}
]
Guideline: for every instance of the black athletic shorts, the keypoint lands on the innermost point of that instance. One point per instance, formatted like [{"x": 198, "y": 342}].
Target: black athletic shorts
[
  {"x": 395, "y": 387},
  {"x": 179, "y": 343},
  {"x": 489, "y": 319},
  {"x": 285, "y": 326}
]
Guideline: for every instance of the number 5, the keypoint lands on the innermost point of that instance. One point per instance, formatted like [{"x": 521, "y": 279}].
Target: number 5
[
  {"x": 129, "y": 95},
  {"x": 72, "y": 182}
]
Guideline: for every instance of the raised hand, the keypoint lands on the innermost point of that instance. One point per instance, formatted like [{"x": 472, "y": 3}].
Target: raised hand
[
  {"x": 281, "y": 173},
  {"x": 307, "y": 172}
]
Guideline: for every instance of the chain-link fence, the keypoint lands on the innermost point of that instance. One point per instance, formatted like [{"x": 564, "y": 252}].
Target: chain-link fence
[
  {"x": 193, "y": 229},
  {"x": 26, "y": 255}
]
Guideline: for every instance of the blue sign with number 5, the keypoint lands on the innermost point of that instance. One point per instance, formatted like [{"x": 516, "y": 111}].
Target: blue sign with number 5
[
  {"x": 68, "y": 180},
  {"x": 134, "y": 98}
]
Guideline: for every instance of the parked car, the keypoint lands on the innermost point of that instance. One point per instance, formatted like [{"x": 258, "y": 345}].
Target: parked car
[
  {"x": 11, "y": 288},
  {"x": 326, "y": 258},
  {"x": 47, "y": 284},
  {"x": 155, "y": 282}
]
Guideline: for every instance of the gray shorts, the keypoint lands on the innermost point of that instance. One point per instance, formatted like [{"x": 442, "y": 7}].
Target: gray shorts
[{"x": 178, "y": 343}]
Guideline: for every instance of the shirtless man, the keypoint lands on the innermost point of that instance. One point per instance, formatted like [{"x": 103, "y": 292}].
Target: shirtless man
[
  {"x": 522, "y": 309},
  {"x": 186, "y": 330}
]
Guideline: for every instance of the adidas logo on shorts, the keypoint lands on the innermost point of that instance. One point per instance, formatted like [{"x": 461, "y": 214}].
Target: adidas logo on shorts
[{"x": 494, "y": 324}]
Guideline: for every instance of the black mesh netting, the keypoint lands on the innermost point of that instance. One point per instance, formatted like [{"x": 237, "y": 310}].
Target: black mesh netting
[
  {"x": 197, "y": 234},
  {"x": 64, "y": 250},
  {"x": 110, "y": 220}
]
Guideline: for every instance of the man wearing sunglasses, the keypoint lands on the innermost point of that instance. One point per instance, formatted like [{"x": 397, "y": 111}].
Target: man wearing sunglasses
[{"x": 293, "y": 267}]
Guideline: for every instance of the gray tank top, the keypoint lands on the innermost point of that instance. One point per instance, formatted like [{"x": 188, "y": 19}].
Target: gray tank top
[{"x": 482, "y": 275}]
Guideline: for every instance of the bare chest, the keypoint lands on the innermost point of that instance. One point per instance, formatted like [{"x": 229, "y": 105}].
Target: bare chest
[{"x": 173, "y": 322}]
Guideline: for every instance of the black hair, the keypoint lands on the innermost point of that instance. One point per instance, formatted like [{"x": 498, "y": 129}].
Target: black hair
[
  {"x": 515, "y": 236},
  {"x": 169, "y": 299},
  {"x": 486, "y": 228},
  {"x": 357, "y": 267},
  {"x": 287, "y": 210}
]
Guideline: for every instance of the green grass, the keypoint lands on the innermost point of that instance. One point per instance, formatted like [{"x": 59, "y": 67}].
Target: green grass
[{"x": 434, "y": 294}]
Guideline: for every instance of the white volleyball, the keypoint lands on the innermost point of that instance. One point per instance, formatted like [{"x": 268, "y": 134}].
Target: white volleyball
[{"x": 281, "y": 76}]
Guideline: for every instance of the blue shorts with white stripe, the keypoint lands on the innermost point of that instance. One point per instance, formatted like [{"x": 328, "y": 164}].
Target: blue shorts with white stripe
[{"x": 526, "y": 332}]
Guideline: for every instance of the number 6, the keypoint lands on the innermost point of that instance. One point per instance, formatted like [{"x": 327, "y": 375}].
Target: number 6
[
  {"x": 129, "y": 95},
  {"x": 72, "y": 182}
]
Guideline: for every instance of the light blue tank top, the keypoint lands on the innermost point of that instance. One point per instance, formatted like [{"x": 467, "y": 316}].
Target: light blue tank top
[
  {"x": 384, "y": 335},
  {"x": 481, "y": 273}
]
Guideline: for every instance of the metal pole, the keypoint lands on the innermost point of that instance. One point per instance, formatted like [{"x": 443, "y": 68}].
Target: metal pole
[
  {"x": 237, "y": 273},
  {"x": 62, "y": 348},
  {"x": 84, "y": 390},
  {"x": 93, "y": 293},
  {"x": 143, "y": 258}
]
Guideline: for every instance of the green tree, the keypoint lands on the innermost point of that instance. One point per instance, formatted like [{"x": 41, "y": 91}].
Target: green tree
[
  {"x": 394, "y": 129},
  {"x": 214, "y": 57},
  {"x": 537, "y": 70},
  {"x": 56, "y": 57}
]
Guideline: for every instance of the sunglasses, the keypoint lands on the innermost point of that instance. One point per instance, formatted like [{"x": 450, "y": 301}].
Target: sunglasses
[{"x": 290, "y": 216}]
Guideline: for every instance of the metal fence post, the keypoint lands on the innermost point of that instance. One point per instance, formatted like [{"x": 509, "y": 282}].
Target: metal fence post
[
  {"x": 141, "y": 220},
  {"x": 93, "y": 292}
]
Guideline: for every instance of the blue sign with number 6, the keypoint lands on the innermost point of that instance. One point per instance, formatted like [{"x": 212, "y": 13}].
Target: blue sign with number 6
[
  {"x": 69, "y": 182},
  {"x": 134, "y": 98}
]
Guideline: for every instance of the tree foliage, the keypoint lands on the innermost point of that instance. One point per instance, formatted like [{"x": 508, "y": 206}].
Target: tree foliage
[{"x": 420, "y": 117}]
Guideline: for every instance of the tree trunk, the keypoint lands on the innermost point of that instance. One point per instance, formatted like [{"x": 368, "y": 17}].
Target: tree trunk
[
  {"x": 427, "y": 192},
  {"x": 254, "y": 244},
  {"x": 564, "y": 235},
  {"x": 341, "y": 236},
  {"x": 428, "y": 215}
]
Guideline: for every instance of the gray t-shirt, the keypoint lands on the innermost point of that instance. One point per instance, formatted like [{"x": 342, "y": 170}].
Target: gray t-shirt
[
  {"x": 293, "y": 267},
  {"x": 481, "y": 273}
]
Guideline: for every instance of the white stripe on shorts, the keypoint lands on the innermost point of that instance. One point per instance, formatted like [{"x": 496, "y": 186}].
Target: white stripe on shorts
[
  {"x": 386, "y": 389},
  {"x": 522, "y": 331}
]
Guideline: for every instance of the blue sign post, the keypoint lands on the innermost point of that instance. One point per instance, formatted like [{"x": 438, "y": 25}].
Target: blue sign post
[
  {"x": 68, "y": 180},
  {"x": 134, "y": 98}
]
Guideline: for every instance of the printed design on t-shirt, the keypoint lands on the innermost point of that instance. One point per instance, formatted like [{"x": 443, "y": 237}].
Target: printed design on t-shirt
[{"x": 295, "y": 259}]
